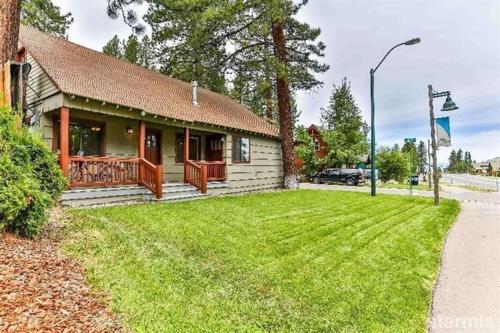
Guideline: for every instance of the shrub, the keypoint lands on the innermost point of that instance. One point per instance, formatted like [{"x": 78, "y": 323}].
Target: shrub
[
  {"x": 392, "y": 164},
  {"x": 30, "y": 179}
]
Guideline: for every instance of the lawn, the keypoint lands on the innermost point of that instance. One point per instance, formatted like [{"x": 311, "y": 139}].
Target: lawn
[
  {"x": 302, "y": 261},
  {"x": 422, "y": 186}
]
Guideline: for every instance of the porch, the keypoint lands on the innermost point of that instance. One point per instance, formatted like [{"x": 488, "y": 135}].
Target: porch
[{"x": 98, "y": 150}]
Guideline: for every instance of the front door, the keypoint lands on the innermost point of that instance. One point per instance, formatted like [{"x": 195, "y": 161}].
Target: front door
[
  {"x": 215, "y": 145},
  {"x": 152, "y": 149}
]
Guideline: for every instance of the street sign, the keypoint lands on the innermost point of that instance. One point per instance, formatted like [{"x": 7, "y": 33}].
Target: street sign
[{"x": 410, "y": 140}]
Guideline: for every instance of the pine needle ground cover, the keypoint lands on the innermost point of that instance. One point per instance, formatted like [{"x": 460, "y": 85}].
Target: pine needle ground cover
[{"x": 301, "y": 261}]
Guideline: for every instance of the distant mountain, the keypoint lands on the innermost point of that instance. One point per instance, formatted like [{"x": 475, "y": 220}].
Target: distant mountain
[{"x": 496, "y": 159}]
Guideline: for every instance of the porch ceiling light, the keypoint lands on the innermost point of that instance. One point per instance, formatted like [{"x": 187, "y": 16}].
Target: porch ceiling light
[{"x": 130, "y": 130}]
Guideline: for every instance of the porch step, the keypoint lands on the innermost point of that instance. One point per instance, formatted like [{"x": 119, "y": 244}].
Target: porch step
[{"x": 127, "y": 194}]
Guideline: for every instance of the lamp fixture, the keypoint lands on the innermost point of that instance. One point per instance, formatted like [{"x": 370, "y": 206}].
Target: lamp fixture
[
  {"x": 130, "y": 130},
  {"x": 449, "y": 105}
]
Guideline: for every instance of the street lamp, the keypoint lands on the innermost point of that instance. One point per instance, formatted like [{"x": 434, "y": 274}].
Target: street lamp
[
  {"x": 372, "y": 83},
  {"x": 448, "y": 105}
]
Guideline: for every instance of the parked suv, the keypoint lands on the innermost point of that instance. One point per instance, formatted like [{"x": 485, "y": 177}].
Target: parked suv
[{"x": 347, "y": 176}]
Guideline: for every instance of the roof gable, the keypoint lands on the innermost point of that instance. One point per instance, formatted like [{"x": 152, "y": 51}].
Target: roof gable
[{"x": 83, "y": 72}]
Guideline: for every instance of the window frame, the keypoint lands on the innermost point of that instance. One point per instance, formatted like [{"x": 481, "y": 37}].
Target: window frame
[
  {"x": 233, "y": 150},
  {"x": 317, "y": 144},
  {"x": 56, "y": 131},
  {"x": 181, "y": 137}
]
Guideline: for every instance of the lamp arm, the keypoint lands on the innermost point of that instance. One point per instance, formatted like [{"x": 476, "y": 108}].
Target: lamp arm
[{"x": 381, "y": 61}]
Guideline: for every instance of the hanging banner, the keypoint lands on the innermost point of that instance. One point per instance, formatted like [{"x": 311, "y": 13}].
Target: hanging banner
[{"x": 443, "y": 132}]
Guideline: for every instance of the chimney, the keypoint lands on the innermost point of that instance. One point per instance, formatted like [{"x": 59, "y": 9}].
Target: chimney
[{"x": 194, "y": 85}]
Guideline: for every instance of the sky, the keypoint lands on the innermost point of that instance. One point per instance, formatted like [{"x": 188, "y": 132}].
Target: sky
[{"x": 459, "y": 52}]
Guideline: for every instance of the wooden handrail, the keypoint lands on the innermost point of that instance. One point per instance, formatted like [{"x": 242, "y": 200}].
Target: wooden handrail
[
  {"x": 216, "y": 170},
  {"x": 192, "y": 174},
  {"x": 198, "y": 173},
  {"x": 109, "y": 171},
  {"x": 151, "y": 176}
]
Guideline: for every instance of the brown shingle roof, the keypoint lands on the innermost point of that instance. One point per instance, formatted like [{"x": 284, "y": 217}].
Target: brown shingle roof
[{"x": 80, "y": 71}]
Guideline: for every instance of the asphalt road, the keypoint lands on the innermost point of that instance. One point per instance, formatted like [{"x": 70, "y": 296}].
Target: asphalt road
[
  {"x": 466, "y": 297},
  {"x": 490, "y": 183}
]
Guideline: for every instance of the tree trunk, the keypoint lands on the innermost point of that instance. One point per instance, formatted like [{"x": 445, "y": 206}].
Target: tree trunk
[
  {"x": 290, "y": 180},
  {"x": 10, "y": 16}
]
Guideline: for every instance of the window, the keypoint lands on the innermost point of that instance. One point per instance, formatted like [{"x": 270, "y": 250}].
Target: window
[
  {"x": 241, "y": 150},
  {"x": 316, "y": 144},
  {"x": 151, "y": 141},
  {"x": 194, "y": 148},
  {"x": 86, "y": 137}
]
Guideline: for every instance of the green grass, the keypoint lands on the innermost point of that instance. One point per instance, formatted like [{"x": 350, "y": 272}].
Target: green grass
[
  {"x": 422, "y": 186},
  {"x": 302, "y": 261}
]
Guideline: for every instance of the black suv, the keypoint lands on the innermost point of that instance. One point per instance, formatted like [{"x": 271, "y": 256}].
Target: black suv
[{"x": 347, "y": 176}]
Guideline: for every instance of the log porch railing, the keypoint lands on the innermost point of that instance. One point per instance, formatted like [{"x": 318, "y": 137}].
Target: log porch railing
[
  {"x": 105, "y": 171},
  {"x": 199, "y": 173}
]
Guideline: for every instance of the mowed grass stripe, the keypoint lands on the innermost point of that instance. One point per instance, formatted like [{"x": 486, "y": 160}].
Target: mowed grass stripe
[{"x": 302, "y": 261}]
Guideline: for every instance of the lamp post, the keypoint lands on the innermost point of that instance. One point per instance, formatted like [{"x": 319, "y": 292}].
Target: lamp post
[
  {"x": 449, "y": 105},
  {"x": 372, "y": 87}
]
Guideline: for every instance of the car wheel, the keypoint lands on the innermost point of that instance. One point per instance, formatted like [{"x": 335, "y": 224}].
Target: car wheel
[
  {"x": 350, "y": 182},
  {"x": 316, "y": 180}
]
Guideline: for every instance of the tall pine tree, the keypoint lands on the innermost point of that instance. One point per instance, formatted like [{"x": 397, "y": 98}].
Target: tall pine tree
[
  {"x": 45, "y": 16},
  {"x": 422, "y": 157},
  {"x": 114, "y": 47},
  {"x": 201, "y": 39},
  {"x": 345, "y": 131}
]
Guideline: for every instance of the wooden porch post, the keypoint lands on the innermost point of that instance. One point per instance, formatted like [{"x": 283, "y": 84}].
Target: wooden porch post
[
  {"x": 186, "y": 153},
  {"x": 142, "y": 138},
  {"x": 64, "y": 143},
  {"x": 140, "y": 149},
  {"x": 204, "y": 177}
]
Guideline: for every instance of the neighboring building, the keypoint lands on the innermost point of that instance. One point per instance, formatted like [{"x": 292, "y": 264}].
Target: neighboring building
[
  {"x": 489, "y": 167},
  {"x": 320, "y": 145},
  {"x": 115, "y": 123}
]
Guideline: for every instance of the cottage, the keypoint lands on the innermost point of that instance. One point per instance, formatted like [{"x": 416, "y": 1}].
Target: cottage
[{"x": 114, "y": 124}]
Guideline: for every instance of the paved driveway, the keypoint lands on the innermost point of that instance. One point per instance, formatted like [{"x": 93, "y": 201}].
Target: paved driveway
[{"x": 467, "y": 294}]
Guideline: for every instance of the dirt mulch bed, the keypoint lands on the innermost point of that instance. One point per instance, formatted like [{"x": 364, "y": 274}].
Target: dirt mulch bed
[{"x": 42, "y": 291}]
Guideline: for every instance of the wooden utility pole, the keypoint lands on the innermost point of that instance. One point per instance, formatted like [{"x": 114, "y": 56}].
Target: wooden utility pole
[
  {"x": 429, "y": 163},
  {"x": 434, "y": 154}
]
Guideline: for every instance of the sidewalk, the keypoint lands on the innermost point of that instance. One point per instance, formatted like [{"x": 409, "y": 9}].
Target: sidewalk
[{"x": 467, "y": 294}]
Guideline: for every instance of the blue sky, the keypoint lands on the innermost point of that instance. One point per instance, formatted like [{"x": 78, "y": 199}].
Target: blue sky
[{"x": 460, "y": 52}]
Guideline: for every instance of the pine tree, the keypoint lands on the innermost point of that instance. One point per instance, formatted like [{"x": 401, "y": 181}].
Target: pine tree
[
  {"x": 206, "y": 40},
  {"x": 345, "y": 131},
  {"x": 131, "y": 49},
  {"x": 146, "y": 53},
  {"x": 114, "y": 47},
  {"x": 45, "y": 16},
  {"x": 452, "y": 161},
  {"x": 422, "y": 157},
  {"x": 120, "y": 8}
]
